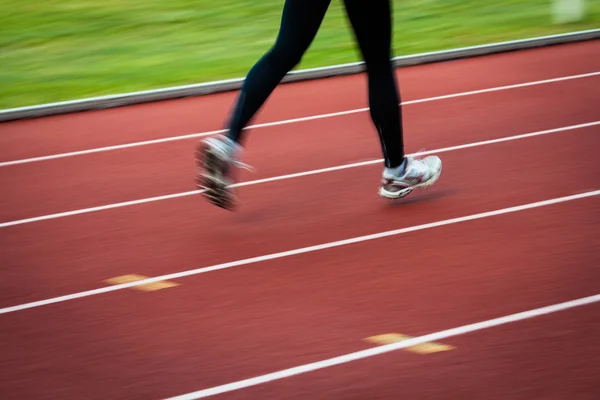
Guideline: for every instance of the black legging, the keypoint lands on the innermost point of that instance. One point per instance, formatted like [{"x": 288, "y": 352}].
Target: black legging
[{"x": 372, "y": 24}]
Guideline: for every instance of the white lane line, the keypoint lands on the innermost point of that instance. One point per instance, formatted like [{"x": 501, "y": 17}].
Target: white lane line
[
  {"x": 294, "y": 252},
  {"x": 290, "y": 121},
  {"x": 290, "y": 176},
  {"x": 98, "y": 208},
  {"x": 374, "y": 351}
]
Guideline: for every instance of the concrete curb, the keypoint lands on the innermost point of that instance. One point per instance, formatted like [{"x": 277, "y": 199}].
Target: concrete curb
[{"x": 124, "y": 99}]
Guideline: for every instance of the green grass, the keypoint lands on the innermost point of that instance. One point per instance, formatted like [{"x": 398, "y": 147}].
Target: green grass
[{"x": 54, "y": 50}]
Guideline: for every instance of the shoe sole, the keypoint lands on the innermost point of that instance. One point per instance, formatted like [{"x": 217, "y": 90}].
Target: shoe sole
[
  {"x": 405, "y": 192},
  {"x": 210, "y": 178}
]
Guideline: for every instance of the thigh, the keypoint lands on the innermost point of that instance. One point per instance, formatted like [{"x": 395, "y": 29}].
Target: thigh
[
  {"x": 371, "y": 21},
  {"x": 300, "y": 22}
]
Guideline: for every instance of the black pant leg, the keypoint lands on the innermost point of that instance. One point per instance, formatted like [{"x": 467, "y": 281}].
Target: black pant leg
[
  {"x": 372, "y": 24},
  {"x": 300, "y": 23}
]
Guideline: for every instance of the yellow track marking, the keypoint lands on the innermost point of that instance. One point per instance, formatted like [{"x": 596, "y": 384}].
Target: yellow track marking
[
  {"x": 424, "y": 348},
  {"x": 149, "y": 287}
]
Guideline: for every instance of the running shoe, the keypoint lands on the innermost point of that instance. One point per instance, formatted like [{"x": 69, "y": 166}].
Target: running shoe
[
  {"x": 415, "y": 174},
  {"x": 215, "y": 157}
]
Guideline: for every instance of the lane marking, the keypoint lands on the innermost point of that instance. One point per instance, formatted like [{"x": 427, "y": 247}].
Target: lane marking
[
  {"x": 290, "y": 176},
  {"x": 421, "y": 348},
  {"x": 349, "y": 357},
  {"x": 290, "y": 121},
  {"x": 148, "y": 287},
  {"x": 294, "y": 252}
]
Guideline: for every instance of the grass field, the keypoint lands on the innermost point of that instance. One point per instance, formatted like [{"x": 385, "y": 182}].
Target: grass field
[{"x": 54, "y": 50}]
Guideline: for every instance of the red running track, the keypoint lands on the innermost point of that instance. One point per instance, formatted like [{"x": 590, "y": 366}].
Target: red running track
[{"x": 262, "y": 316}]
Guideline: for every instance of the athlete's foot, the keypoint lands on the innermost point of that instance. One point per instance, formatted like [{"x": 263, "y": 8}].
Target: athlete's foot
[
  {"x": 415, "y": 174},
  {"x": 215, "y": 158}
]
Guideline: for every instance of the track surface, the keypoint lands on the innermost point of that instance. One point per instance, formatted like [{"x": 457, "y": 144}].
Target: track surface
[{"x": 62, "y": 338}]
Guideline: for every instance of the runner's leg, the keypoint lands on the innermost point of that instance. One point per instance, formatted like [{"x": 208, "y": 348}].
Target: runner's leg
[
  {"x": 372, "y": 25},
  {"x": 300, "y": 23}
]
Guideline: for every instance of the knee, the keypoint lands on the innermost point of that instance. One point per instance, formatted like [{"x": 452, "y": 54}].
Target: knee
[{"x": 284, "y": 57}]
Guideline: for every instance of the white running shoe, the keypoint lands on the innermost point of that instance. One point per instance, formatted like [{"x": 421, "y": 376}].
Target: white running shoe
[
  {"x": 417, "y": 174},
  {"x": 214, "y": 158}
]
